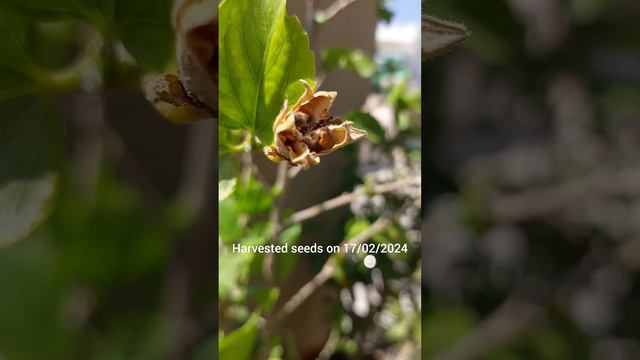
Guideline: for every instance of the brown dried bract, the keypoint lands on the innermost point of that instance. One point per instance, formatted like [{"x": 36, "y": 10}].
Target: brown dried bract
[
  {"x": 196, "y": 24},
  {"x": 307, "y": 131},
  {"x": 190, "y": 95}
]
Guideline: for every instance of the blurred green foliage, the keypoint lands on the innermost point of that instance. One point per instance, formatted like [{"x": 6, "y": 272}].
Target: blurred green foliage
[
  {"x": 502, "y": 108},
  {"x": 89, "y": 281}
]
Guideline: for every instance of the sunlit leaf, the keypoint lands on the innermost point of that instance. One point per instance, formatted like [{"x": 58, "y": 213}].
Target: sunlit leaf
[
  {"x": 227, "y": 178},
  {"x": 239, "y": 344},
  {"x": 263, "y": 54}
]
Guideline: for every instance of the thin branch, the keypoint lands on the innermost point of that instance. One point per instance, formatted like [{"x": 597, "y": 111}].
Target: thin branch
[
  {"x": 345, "y": 199},
  {"x": 330, "y": 346},
  {"x": 274, "y": 219},
  {"x": 328, "y": 269},
  {"x": 197, "y": 167},
  {"x": 333, "y": 10}
]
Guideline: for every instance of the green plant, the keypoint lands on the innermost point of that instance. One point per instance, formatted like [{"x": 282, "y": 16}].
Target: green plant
[{"x": 264, "y": 53}]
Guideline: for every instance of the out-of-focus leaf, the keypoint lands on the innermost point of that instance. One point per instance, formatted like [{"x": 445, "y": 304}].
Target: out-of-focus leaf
[
  {"x": 356, "y": 227},
  {"x": 383, "y": 11},
  {"x": 51, "y": 8},
  {"x": 343, "y": 58},
  {"x": 444, "y": 327},
  {"x": 233, "y": 267},
  {"x": 20, "y": 76},
  {"x": 226, "y": 187},
  {"x": 31, "y": 326},
  {"x": 286, "y": 262},
  {"x": 145, "y": 30},
  {"x": 143, "y": 25},
  {"x": 253, "y": 197},
  {"x": 207, "y": 350},
  {"x": 267, "y": 297},
  {"x": 228, "y": 214},
  {"x": 110, "y": 240},
  {"x": 27, "y": 178},
  {"x": 239, "y": 344},
  {"x": 365, "y": 121},
  {"x": 227, "y": 179},
  {"x": 263, "y": 54}
]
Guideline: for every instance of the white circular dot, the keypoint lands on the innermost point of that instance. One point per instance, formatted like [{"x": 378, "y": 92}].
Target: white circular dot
[{"x": 370, "y": 261}]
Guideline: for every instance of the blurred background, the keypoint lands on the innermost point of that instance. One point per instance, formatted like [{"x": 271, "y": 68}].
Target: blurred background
[
  {"x": 124, "y": 265},
  {"x": 121, "y": 262},
  {"x": 532, "y": 182},
  {"x": 368, "y": 51}
]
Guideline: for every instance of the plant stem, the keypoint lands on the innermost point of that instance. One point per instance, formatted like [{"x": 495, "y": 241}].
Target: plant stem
[{"x": 344, "y": 199}]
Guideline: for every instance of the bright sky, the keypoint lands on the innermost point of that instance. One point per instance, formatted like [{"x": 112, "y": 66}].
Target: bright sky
[
  {"x": 406, "y": 11},
  {"x": 405, "y": 24}
]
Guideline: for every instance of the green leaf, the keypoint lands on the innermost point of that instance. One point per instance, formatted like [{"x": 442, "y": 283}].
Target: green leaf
[
  {"x": 227, "y": 178},
  {"x": 263, "y": 54},
  {"x": 239, "y": 344},
  {"x": 363, "y": 120},
  {"x": 27, "y": 180},
  {"x": 48, "y": 8},
  {"x": 347, "y": 59},
  {"x": 265, "y": 296},
  {"x": 253, "y": 197},
  {"x": 383, "y": 11},
  {"x": 355, "y": 227},
  {"x": 444, "y": 327},
  {"x": 20, "y": 76},
  {"x": 234, "y": 270},
  {"x": 144, "y": 27}
]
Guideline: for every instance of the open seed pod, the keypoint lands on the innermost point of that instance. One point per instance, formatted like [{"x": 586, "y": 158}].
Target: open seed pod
[
  {"x": 307, "y": 131},
  {"x": 192, "y": 94}
]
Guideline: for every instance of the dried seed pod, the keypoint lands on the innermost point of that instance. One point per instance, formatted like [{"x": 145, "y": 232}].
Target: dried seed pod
[
  {"x": 307, "y": 131},
  {"x": 192, "y": 94}
]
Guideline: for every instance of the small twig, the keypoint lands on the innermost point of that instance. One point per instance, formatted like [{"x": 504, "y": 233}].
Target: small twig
[
  {"x": 309, "y": 13},
  {"x": 327, "y": 270},
  {"x": 343, "y": 200},
  {"x": 330, "y": 346},
  {"x": 274, "y": 219},
  {"x": 197, "y": 167},
  {"x": 334, "y": 9}
]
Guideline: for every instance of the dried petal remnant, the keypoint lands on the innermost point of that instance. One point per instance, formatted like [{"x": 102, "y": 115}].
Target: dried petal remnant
[
  {"x": 308, "y": 131},
  {"x": 191, "y": 95},
  {"x": 196, "y": 24}
]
